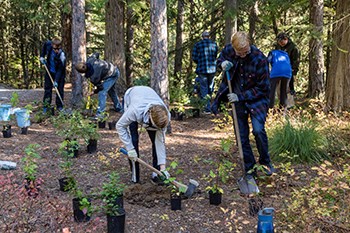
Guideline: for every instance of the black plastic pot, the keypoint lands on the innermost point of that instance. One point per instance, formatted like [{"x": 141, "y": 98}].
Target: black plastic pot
[
  {"x": 195, "y": 112},
  {"x": 79, "y": 215},
  {"x": 111, "y": 125},
  {"x": 24, "y": 130},
  {"x": 116, "y": 224},
  {"x": 120, "y": 201},
  {"x": 255, "y": 205},
  {"x": 64, "y": 184},
  {"x": 101, "y": 124},
  {"x": 74, "y": 151},
  {"x": 215, "y": 198},
  {"x": 6, "y": 132},
  {"x": 175, "y": 202},
  {"x": 92, "y": 146}
]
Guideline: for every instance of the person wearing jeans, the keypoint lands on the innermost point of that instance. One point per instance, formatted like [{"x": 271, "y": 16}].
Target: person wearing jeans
[
  {"x": 249, "y": 72},
  {"x": 204, "y": 54},
  {"x": 103, "y": 75}
]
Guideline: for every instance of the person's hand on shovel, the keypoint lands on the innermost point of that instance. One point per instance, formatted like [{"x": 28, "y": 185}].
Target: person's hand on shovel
[
  {"x": 42, "y": 60},
  {"x": 132, "y": 155}
]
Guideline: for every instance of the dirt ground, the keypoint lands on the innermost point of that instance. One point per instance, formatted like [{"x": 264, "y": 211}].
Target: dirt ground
[{"x": 192, "y": 143}]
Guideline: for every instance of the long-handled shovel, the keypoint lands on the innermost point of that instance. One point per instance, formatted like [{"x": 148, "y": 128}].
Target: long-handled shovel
[
  {"x": 53, "y": 83},
  {"x": 247, "y": 185}
]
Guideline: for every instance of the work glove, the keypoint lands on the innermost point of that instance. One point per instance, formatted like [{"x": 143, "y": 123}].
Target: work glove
[
  {"x": 166, "y": 175},
  {"x": 42, "y": 60},
  {"x": 232, "y": 97},
  {"x": 226, "y": 65},
  {"x": 55, "y": 84},
  {"x": 132, "y": 155}
]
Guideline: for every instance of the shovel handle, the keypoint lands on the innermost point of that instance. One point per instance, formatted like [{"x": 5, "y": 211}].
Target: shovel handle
[{"x": 58, "y": 94}]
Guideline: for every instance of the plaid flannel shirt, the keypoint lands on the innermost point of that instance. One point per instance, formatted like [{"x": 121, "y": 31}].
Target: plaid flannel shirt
[
  {"x": 254, "y": 83},
  {"x": 204, "y": 54}
]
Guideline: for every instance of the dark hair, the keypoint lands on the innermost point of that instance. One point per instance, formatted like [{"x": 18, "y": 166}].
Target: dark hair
[{"x": 282, "y": 36}]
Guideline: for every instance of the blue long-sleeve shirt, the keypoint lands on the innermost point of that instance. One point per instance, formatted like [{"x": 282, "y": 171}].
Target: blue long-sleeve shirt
[
  {"x": 204, "y": 54},
  {"x": 252, "y": 73}
]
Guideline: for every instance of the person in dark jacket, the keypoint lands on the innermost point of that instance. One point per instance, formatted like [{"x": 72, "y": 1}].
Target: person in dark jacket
[
  {"x": 56, "y": 64},
  {"x": 281, "y": 72},
  {"x": 284, "y": 43},
  {"x": 103, "y": 75},
  {"x": 249, "y": 72},
  {"x": 204, "y": 54}
]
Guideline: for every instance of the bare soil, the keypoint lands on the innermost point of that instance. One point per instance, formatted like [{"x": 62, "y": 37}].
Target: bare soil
[{"x": 192, "y": 143}]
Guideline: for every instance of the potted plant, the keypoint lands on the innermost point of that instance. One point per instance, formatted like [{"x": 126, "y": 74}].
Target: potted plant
[
  {"x": 82, "y": 208},
  {"x": 112, "y": 197},
  {"x": 6, "y": 131},
  {"x": 102, "y": 120},
  {"x": 111, "y": 125},
  {"x": 91, "y": 136},
  {"x": 175, "y": 192},
  {"x": 32, "y": 183},
  {"x": 178, "y": 113},
  {"x": 198, "y": 104},
  {"x": 67, "y": 182}
]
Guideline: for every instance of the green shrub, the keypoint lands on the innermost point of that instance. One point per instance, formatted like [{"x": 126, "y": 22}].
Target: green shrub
[{"x": 298, "y": 143}]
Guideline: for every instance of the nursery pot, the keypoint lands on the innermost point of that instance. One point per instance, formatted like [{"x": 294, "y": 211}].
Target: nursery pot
[
  {"x": 5, "y": 110},
  {"x": 179, "y": 116},
  {"x": 74, "y": 151},
  {"x": 64, "y": 184},
  {"x": 175, "y": 202},
  {"x": 116, "y": 224},
  {"x": 79, "y": 215},
  {"x": 195, "y": 112},
  {"x": 111, "y": 125},
  {"x": 215, "y": 198},
  {"x": 102, "y": 124},
  {"x": 119, "y": 201},
  {"x": 22, "y": 117},
  {"x": 92, "y": 146},
  {"x": 24, "y": 130},
  {"x": 6, "y": 132}
]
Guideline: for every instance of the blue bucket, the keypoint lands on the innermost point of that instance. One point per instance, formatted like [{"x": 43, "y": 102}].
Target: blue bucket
[
  {"x": 22, "y": 117},
  {"x": 5, "y": 110}
]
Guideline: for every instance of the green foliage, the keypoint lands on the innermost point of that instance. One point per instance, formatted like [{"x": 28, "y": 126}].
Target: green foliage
[
  {"x": 199, "y": 103},
  {"x": 112, "y": 190},
  {"x": 85, "y": 206},
  {"x": 30, "y": 161},
  {"x": 173, "y": 169},
  {"x": 14, "y": 99},
  {"x": 326, "y": 200},
  {"x": 220, "y": 175},
  {"x": 300, "y": 142}
]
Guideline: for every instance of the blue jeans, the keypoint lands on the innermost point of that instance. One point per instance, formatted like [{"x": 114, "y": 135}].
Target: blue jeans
[
  {"x": 108, "y": 88},
  {"x": 259, "y": 133},
  {"x": 206, "y": 83}
]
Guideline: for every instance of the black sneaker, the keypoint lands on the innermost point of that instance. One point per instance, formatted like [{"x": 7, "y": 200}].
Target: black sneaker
[{"x": 268, "y": 169}]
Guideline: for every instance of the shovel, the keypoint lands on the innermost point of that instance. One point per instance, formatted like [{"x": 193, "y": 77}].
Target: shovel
[
  {"x": 247, "y": 185},
  {"x": 58, "y": 94}
]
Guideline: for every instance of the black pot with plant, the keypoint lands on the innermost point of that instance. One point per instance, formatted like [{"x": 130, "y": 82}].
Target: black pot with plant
[
  {"x": 24, "y": 130},
  {"x": 6, "y": 131},
  {"x": 215, "y": 198},
  {"x": 116, "y": 222},
  {"x": 175, "y": 201},
  {"x": 91, "y": 136},
  {"x": 31, "y": 183},
  {"x": 82, "y": 209},
  {"x": 92, "y": 146},
  {"x": 66, "y": 183},
  {"x": 111, "y": 125}
]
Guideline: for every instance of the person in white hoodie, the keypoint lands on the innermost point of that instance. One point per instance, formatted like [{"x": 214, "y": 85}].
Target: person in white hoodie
[{"x": 142, "y": 105}]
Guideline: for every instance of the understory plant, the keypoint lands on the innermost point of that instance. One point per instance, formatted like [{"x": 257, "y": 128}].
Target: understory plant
[
  {"x": 84, "y": 203},
  {"x": 299, "y": 142},
  {"x": 32, "y": 183},
  {"x": 176, "y": 191}
]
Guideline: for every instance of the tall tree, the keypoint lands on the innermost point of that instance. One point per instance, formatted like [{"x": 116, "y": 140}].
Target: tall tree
[
  {"x": 338, "y": 82},
  {"x": 230, "y": 19},
  {"x": 253, "y": 18},
  {"x": 179, "y": 41},
  {"x": 159, "y": 49},
  {"x": 316, "y": 59},
  {"x": 129, "y": 44},
  {"x": 79, "y": 85},
  {"x": 114, "y": 39}
]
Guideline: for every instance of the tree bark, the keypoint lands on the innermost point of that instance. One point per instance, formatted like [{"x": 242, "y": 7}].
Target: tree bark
[
  {"x": 129, "y": 46},
  {"x": 231, "y": 10},
  {"x": 179, "y": 41},
  {"x": 79, "y": 85},
  {"x": 114, "y": 40},
  {"x": 66, "y": 22},
  {"x": 338, "y": 83},
  {"x": 253, "y": 17},
  {"x": 316, "y": 59},
  {"x": 159, "y": 49}
]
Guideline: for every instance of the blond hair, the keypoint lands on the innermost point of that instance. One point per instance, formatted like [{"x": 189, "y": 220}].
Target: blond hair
[
  {"x": 240, "y": 41},
  {"x": 159, "y": 116},
  {"x": 56, "y": 41}
]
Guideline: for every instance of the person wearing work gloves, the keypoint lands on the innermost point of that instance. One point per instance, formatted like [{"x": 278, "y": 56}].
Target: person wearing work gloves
[
  {"x": 55, "y": 63},
  {"x": 103, "y": 75},
  {"x": 142, "y": 105},
  {"x": 249, "y": 72}
]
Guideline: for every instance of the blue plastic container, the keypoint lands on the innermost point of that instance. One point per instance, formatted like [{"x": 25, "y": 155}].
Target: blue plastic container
[
  {"x": 265, "y": 221},
  {"x": 5, "y": 110},
  {"x": 22, "y": 117}
]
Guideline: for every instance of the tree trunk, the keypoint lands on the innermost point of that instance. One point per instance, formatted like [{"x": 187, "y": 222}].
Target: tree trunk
[
  {"x": 231, "y": 11},
  {"x": 159, "y": 49},
  {"x": 66, "y": 22},
  {"x": 338, "y": 83},
  {"x": 79, "y": 85},
  {"x": 179, "y": 41},
  {"x": 316, "y": 59},
  {"x": 114, "y": 39},
  {"x": 253, "y": 17},
  {"x": 129, "y": 46}
]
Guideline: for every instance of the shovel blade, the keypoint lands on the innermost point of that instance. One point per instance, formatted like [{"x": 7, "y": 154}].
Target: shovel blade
[{"x": 247, "y": 185}]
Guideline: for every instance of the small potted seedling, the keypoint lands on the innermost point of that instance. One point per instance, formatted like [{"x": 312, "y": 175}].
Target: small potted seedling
[
  {"x": 102, "y": 120},
  {"x": 175, "y": 192},
  {"x": 67, "y": 182},
  {"x": 6, "y": 131},
  {"x": 112, "y": 197},
  {"x": 178, "y": 113},
  {"x": 91, "y": 136},
  {"x": 82, "y": 208},
  {"x": 32, "y": 183},
  {"x": 111, "y": 125},
  {"x": 198, "y": 104}
]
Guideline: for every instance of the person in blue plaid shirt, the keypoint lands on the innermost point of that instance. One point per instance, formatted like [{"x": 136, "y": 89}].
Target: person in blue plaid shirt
[
  {"x": 249, "y": 70},
  {"x": 204, "y": 54}
]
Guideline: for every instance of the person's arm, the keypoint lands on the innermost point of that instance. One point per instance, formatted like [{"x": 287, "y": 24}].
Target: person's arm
[
  {"x": 160, "y": 146},
  {"x": 295, "y": 60},
  {"x": 122, "y": 126}
]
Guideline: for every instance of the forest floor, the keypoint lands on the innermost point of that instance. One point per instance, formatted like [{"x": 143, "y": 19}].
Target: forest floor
[{"x": 193, "y": 143}]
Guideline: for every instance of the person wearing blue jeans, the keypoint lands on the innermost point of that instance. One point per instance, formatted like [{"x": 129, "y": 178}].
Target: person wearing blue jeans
[
  {"x": 103, "y": 75},
  {"x": 204, "y": 54},
  {"x": 249, "y": 70}
]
